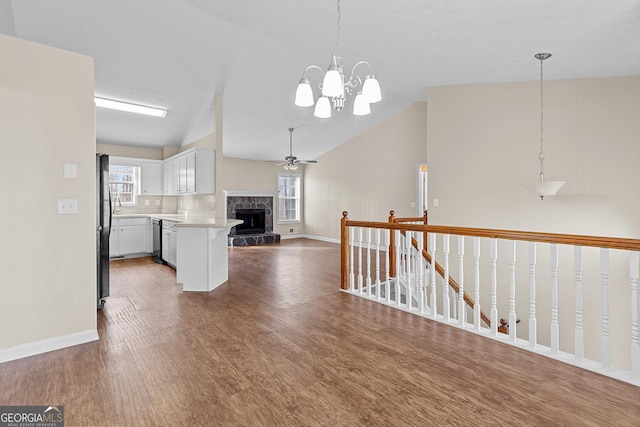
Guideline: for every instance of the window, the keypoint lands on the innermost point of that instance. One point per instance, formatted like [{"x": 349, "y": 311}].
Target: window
[
  {"x": 289, "y": 197},
  {"x": 123, "y": 183}
]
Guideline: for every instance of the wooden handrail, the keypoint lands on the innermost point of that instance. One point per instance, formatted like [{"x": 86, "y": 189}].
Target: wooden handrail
[{"x": 529, "y": 236}]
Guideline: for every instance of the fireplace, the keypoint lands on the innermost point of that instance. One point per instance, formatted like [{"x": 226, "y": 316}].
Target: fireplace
[{"x": 254, "y": 221}]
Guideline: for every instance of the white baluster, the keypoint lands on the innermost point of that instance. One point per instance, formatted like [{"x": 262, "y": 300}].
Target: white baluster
[
  {"x": 634, "y": 259},
  {"x": 378, "y": 293},
  {"x": 461, "y": 303},
  {"x": 579, "y": 333},
  {"x": 360, "y": 281},
  {"x": 533, "y": 333},
  {"x": 454, "y": 305},
  {"x": 407, "y": 261},
  {"x": 387, "y": 290},
  {"x": 512, "y": 291},
  {"x": 476, "y": 283},
  {"x": 446, "y": 304},
  {"x": 604, "y": 274},
  {"x": 493, "y": 255},
  {"x": 432, "y": 276},
  {"x": 352, "y": 280},
  {"x": 420, "y": 266},
  {"x": 399, "y": 247},
  {"x": 555, "y": 329},
  {"x": 368, "y": 278}
]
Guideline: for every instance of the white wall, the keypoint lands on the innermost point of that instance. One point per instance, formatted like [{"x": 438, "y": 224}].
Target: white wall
[
  {"x": 369, "y": 175},
  {"x": 484, "y": 143},
  {"x": 47, "y": 261}
]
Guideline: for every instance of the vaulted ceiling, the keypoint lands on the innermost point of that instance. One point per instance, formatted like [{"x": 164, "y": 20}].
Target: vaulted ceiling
[{"x": 178, "y": 54}]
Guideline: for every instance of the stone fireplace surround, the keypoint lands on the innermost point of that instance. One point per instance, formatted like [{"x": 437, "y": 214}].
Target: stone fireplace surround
[{"x": 246, "y": 200}]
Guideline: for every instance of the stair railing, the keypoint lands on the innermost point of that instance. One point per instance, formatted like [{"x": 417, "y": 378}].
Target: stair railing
[{"x": 559, "y": 271}]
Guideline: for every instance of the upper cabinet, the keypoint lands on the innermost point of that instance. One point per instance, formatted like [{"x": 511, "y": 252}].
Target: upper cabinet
[
  {"x": 151, "y": 178},
  {"x": 189, "y": 172}
]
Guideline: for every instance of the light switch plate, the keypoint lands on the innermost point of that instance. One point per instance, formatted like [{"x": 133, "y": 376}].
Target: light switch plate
[
  {"x": 70, "y": 170},
  {"x": 67, "y": 206}
]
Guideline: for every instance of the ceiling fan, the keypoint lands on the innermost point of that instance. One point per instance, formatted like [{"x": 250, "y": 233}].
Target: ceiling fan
[{"x": 291, "y": 162}]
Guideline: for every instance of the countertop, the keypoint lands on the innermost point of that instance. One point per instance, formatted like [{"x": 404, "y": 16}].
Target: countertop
[{"x": 182, "y": 220}]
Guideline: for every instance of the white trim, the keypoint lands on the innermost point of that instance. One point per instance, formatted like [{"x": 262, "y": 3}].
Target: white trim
[{"x": 43, "y": 346}]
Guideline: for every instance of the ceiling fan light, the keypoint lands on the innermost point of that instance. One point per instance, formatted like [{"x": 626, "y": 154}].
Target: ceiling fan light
[
  {"x": 323, "y": 108},
  {"x": 304, "y": 94},
  {"x": 371, "y": 89},
  {"x": 361, "y": 105}
]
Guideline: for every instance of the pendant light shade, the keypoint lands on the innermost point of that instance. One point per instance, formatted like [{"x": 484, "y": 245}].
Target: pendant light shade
[
  {"x": 361, "y": 105},
  {"x": 371, "y": 89},
  {"x": 323, "y": 108},
  {"x": 304, "y": 94},
  {"x": 333, "y": 82}
]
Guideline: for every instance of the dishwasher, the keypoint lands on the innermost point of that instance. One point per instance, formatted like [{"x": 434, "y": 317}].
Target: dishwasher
[{"x": 157, "y": 240}]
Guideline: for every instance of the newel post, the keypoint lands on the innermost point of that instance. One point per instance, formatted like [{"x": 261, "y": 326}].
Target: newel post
[
  {"x": 344, "y": 251},
  {"x": 392, "y": 246}
]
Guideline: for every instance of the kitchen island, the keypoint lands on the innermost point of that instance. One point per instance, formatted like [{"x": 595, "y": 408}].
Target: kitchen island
[{"x": 201, "y": 257}]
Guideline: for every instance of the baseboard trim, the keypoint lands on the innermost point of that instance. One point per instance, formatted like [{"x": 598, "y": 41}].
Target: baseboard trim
[
  {"x": 324, "y": 239},
  {"x": 46, "y": 345}
]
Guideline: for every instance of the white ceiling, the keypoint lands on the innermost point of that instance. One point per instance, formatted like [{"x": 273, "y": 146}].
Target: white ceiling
[{"x": 177, "y": 54}]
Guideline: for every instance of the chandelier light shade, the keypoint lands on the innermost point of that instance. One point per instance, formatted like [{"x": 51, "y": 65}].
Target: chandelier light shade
[
  {"x": 543, "y": 188},
  {"x": 335, "y": 87}
]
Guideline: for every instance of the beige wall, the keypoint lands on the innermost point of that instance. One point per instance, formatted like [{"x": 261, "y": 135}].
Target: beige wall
[
  {"x": 484, "y": 143},
  {"x": 259, "y": 177},
  {"x": 130, "y": 151},
  {"x": 369, "y": 175},
  {"x": 47, "y": 261}
]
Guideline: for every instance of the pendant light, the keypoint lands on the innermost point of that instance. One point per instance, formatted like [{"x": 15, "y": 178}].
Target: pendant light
[{"x": 543, "y": 188}]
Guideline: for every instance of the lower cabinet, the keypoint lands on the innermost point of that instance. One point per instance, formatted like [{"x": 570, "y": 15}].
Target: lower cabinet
[
  {"x": 169, "y": 246},
  {"x": 130, "y": 236}
]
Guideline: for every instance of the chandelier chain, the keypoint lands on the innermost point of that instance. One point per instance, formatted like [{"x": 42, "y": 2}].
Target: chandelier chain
[
  {"x": 338, "y": 30},
  {"x": 541, "y": 155}
]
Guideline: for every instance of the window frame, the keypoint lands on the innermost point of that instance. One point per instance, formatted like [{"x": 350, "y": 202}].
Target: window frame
[
  {"x": 135, "y": 183},
  {"x": 297, "y": 198}
]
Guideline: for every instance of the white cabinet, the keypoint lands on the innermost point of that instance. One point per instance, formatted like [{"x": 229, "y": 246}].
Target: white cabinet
[
  {"x": 167, "y": 178},
  {"x": 130, "y": 236},
  {"x": 190, "y": 172},
  {"x": 151, "y": 178},
  {"x": 169, "y": 246}
]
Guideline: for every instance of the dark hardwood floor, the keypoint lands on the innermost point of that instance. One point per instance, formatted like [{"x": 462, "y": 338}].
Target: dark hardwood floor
[{"x": 280, "y": 345}]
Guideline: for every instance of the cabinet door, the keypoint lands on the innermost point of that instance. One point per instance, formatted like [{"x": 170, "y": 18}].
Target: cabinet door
[
  {"x": 165, "y": 245},
  {"x": 132, "y": 239},
  {"x": 167, "y": 177},
  {"x": 113, "y": 239},
  {"x": 190, "y": 163},
  {"x": 181, "y": 163},
  {"x": 173, "y": 252},
  {"x": 151, "y": 178}
]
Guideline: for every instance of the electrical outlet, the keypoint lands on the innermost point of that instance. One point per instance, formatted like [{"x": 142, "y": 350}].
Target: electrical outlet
[
  {"x": 412, "y": 204},
  {"x": 157, "y": 202},
  {"x": 146, "y": 203}
]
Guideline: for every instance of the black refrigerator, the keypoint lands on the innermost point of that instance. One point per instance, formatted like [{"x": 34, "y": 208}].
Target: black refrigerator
[{"x": 103, "y": 226}]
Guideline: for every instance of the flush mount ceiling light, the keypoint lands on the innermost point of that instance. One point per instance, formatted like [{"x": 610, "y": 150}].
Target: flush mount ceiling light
[
  {"x": 335, "y": 87},
  {"x": 543, "y": 188},
  {"x": 129, "y": 108}
]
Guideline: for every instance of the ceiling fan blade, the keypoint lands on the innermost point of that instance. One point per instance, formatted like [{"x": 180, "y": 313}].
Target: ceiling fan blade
[{"x": 306, "y": 162}]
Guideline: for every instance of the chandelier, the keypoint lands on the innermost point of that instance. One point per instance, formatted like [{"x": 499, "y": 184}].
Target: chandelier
[
  {"x": 543, "y": 188},
  {"x": 335, "y": 87}
]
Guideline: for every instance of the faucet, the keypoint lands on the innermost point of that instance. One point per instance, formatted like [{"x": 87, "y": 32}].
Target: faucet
[{"x": 116, "y": 205}]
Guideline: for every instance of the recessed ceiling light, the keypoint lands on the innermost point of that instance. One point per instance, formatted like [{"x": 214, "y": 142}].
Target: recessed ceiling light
[{"x": 130, "y": 108}]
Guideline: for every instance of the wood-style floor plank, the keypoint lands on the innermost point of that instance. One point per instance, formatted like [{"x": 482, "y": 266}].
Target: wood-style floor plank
[{"x": 280, "y": 345}]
